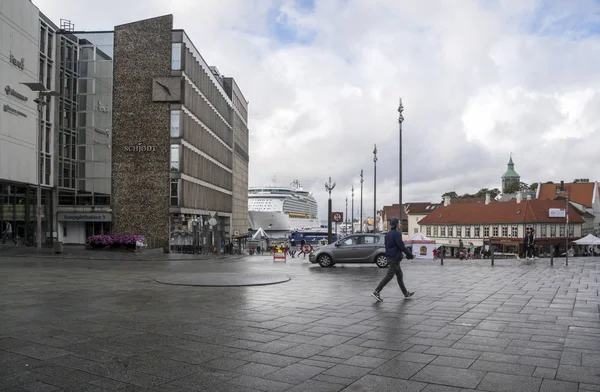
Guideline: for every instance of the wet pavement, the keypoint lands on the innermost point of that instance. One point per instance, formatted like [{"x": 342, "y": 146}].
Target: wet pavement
[{"x": 85, "y": 324}]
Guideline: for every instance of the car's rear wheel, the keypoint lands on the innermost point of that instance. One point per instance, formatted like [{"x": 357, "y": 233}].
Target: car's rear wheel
[
  {"x": 325, "y": 261},
  {"x": 381, "y": 261}
]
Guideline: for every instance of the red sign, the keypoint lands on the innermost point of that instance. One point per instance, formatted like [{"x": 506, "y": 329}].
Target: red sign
[
  {"x": 306, "y": 248},
  {"x": 337, "y": 217}
]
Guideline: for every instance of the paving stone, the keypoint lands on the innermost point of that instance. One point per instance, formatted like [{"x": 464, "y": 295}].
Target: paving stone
[
  {"x": 38, "y": 351},
  {"x": 316, "y": 386},
  {"x": 441, "y": 388},
  {"x": 368, "y": 362},
  {"x": 444, "y": 375},
  {"x": 256, "y": 369},
  {"x": 138, "y": 378},
  {"x": 509, "y": 383},
  {"x": 502, "y": 367},
  {"x": 398, "y": 369},
  {"x": 558, "y": 386},
  {"x": 39, "y": 387},
  {"x": 371, "y": 383},
  {"x": 464, "y": 363},
  {"x": 344, "y": 351},
  {"x": 347, "y": 371},
  {"x": 542, "y": 372},
  {"x": 304, "y": 350},
  {"x": 260, "y": 383},
  {"x": 273, "y": 359},
  {"x": 62, "y": 376},
  {"x": 578, "y": 374},
  {"x": 415, "y": 357},
  {"x": 295, "y": 373}
]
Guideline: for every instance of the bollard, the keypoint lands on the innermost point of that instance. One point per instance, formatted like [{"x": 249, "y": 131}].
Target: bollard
[
  {"x": 492, "y": 257},
  {"x": 442, "y": 260},
  {"x": 552, "y": 258}
]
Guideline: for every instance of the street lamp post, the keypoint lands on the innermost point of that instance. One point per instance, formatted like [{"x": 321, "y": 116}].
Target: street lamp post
[
  {"x": 352, "y": 209},
  {"x": 375, "y": 189},
  {"x": 346, "y": 231},
  {"x": 567, "y": 231},
  {"x": 361, "y": 200},
  {"x": 329, "y": 187},
  {"x": 400, "y": 120},
  {"x": 43, "y": 93}
]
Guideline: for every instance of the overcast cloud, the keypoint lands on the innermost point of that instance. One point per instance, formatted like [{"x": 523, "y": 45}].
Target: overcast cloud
[{"x": 479, "y": 79}]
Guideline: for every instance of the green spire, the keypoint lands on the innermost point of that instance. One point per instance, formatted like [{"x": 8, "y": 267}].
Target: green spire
[{"x": 510, "y": 172}]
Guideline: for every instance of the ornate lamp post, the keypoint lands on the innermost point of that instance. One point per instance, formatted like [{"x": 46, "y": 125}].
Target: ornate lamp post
[
  {"x": 375, "y": 189},
  {"x": 400, "y": 120},
  {"x": 361, "y": 200},
  {"x": 352, "y": 209},
  {"x": 329, "y": 187},
  {"x": 346, "y": 216}
]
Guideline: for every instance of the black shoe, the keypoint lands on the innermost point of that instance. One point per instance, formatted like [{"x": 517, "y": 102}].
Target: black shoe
[
  {"x": 376, "y": 296},
  {"x": 409, "y": 294}
]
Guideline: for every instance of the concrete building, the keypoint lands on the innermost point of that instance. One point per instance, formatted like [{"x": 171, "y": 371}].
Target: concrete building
[
  {"x": 24, "y": 58},
  {"x": 173, "y": 161}
]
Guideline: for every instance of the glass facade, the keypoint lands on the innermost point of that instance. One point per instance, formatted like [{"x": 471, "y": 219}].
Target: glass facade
[
  {"x": 175, "y": 123},
  {"x": 175, "y": 157},
  {"x": 176, "y": 57},
  {"x": 17, "y": 208},
  {"x": 85, "y": 119}
]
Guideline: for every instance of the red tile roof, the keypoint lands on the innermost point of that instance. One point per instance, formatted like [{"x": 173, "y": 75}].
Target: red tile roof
[
  {"x": 579, "y": 192},
  {"x": 528, "y": 211},
  {"x": 392, "y": 211},
  {"x": 468, "y": 200},
  {"x": 420, "y": 208}
]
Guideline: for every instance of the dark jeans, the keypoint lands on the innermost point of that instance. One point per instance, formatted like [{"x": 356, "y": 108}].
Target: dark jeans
[{"x": 393, "y": 269}]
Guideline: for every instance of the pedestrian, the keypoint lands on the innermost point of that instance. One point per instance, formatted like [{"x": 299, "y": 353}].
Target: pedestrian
[
  {"x": 394, "y": 248},
  {"x": 302, "y": 243},
  {"x": 8, "y": 233},
  {"x": 529, "y": 245},
  {"x": 258, "y": 250}
]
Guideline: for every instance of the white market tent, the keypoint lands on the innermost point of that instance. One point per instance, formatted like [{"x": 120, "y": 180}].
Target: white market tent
[
  {"x": 422, "y": 245},
  {"x": 588, "y": 240},
  {"x": 259, "y": 235}
]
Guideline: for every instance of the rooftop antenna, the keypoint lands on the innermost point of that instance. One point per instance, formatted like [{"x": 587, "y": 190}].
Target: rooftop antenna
[{"x": 66, "y": 25}]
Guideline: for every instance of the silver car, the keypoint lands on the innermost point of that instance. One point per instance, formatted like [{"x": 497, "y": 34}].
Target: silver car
[{"x": 356, "y": 248}]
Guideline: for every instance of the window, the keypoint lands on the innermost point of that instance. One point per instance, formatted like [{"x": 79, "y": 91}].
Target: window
[
  {"x": 175, "y": 114},
  {"x": 435, "y": 231},
  {"x": 428, "y": 230},
  {"x": 571, "y": 230},
  {"x": 415, "y": 230},
  {"x": 544, "y": 234},
  {"x": 443, "y": 231},
  {"x": 552, "y": 230},
  {"x": 562, "y": 230},
  {"x": 477, "y": 231},
  {"x": 349, "y": 241},
  {"x": 486, "y": 231},
  {"x": 459, "y": 231},
  {"x": 504, "y": 231},
  {"x": 370, "y": 239},
  {"x": 468, "y": 231},
  {"x": 176, "y": 57},
  {"x": 515, "y": 231},
  {"x": 174, "y": 193},
  {"x": 495, "y": 231},
  {"x": 175, "y": 157}
]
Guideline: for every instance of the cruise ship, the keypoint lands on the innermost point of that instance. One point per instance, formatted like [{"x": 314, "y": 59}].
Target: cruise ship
[{"x": 282, "y": 208}]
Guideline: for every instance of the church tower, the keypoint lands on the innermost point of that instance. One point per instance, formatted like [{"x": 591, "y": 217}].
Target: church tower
[{"x": 510, "y": 177}]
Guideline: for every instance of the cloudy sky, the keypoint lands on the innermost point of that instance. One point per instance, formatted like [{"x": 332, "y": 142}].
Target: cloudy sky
[{"x": 478, "y": 79}]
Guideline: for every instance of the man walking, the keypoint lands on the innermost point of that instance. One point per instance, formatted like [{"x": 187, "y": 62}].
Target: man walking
[
  {"x": 8, "y": 233},
  {"x": 394, "y": 247}
]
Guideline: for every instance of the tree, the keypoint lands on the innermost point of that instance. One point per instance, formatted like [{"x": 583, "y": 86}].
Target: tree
[
  {"x": 513, "y": 188},
  {"x": 452, "y": 195},
  {"x": 534, "y": 186}
]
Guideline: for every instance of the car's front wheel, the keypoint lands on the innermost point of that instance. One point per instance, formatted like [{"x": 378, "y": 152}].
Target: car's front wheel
[
  {"x": 325, "y": 261},
  {"x": 381, "y": 261}
]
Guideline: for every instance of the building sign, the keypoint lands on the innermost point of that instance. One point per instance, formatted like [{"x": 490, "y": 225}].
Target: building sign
[
  {"x": 84, "y": 217},
  {"x": 11, "y": 110},
  {"x": 101, "y": 108},
  {"x": 10, "y": 91},
  {"x": 17, "y": 63},
  {"x": 556, "y": 213},
  {"x": 140, "y": 148}
]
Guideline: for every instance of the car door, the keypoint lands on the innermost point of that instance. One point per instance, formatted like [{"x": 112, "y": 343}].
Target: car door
[
  {"x": 366, "y": 247},
  {"x": 344, "y": 249}
]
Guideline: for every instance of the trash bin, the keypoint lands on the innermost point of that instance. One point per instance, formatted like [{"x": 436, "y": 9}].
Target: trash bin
[{"x": 58, "y": 247}]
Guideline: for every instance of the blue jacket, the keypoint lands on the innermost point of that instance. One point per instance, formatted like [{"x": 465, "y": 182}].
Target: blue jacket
[{"x": 394, "y": 246}]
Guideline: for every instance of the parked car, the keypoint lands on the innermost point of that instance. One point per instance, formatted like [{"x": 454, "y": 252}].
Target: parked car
[{"x": 356, "y": 248}]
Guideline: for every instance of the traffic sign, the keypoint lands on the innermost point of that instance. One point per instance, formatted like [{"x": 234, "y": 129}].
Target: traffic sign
[
  {"x": 337, "y": 217},
  {"x": 306, "y": 248}
]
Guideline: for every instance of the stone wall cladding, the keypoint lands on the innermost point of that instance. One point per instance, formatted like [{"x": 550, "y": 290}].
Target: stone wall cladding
[{"x": 140, "y": 182}]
